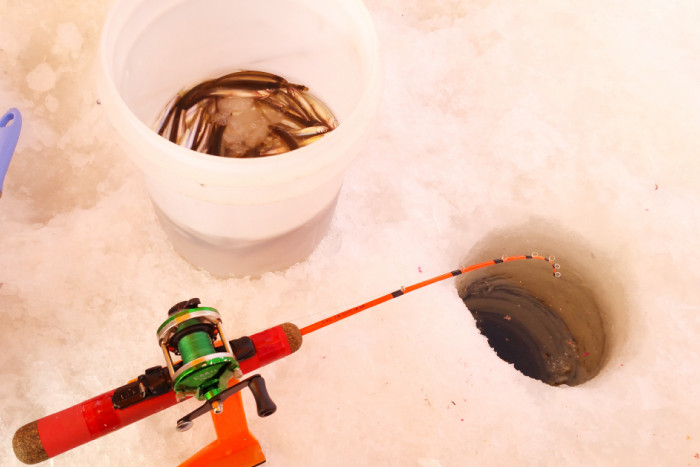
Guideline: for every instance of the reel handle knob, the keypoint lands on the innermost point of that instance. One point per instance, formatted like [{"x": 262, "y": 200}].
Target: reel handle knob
[
  {"x": 256, "y": 383},
  {"x": 264, "y": 403}
]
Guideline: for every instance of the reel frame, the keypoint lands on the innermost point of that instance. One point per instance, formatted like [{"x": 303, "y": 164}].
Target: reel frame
[{"x": 191, "y": 332}]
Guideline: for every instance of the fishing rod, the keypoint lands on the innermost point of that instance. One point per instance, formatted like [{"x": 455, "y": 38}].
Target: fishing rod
[{"x": 209, "y": 369}]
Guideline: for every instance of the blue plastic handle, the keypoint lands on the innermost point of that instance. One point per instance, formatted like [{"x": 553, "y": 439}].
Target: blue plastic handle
[{"x": 10, "y": 125}]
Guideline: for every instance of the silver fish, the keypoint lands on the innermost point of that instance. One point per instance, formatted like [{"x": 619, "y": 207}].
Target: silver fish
[
  {"x": 201, "y": 143},
  {"x": 165, "y": 115},
  {"x": 306, "y": 141},
  {"x": 308, "y": 131},
  {"x": 194, "y": 128},
  {"x": 322, "y": 111}
]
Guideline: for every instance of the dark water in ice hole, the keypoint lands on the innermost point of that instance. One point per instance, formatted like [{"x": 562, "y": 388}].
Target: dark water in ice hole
[{"x": 524, "y": 331}]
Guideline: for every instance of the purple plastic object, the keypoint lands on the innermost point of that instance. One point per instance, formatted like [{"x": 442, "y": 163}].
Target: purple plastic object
[{"x": 10, "y": 125}]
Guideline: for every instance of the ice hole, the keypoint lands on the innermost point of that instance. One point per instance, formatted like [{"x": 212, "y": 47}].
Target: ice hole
[{"x": 550, "y": 328}]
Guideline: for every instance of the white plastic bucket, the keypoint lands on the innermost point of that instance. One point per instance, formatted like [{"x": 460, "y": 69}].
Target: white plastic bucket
[{"x": 240, "y": 216}]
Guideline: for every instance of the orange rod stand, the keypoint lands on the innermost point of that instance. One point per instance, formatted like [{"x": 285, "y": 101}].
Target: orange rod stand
[{"x": 234, "y": 446}]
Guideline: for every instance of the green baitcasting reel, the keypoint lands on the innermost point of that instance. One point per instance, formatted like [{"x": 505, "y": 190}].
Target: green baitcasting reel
[{"x": 191, "y": 332}]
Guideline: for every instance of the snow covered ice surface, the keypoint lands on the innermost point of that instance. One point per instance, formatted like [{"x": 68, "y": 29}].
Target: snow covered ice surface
[{"x": 574, "y": 118}]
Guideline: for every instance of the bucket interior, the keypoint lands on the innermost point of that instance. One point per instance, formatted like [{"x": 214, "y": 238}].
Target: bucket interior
[{"x": 160, "y": 52}]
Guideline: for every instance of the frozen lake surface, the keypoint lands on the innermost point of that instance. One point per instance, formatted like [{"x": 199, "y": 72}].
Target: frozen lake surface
[{"x": 571, "y": 128}]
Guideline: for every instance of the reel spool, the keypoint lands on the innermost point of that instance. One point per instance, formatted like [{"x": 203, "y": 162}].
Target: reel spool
[
  {"x": 204, "y": 372},
  {"x": 191, "y": 332}
]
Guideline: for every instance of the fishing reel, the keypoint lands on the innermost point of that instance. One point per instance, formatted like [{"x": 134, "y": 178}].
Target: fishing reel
[{"x": 207, "y": 362}]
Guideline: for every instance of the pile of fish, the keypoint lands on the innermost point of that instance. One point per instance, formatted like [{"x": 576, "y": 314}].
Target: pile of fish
[{"x": 245, "y": 114}]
